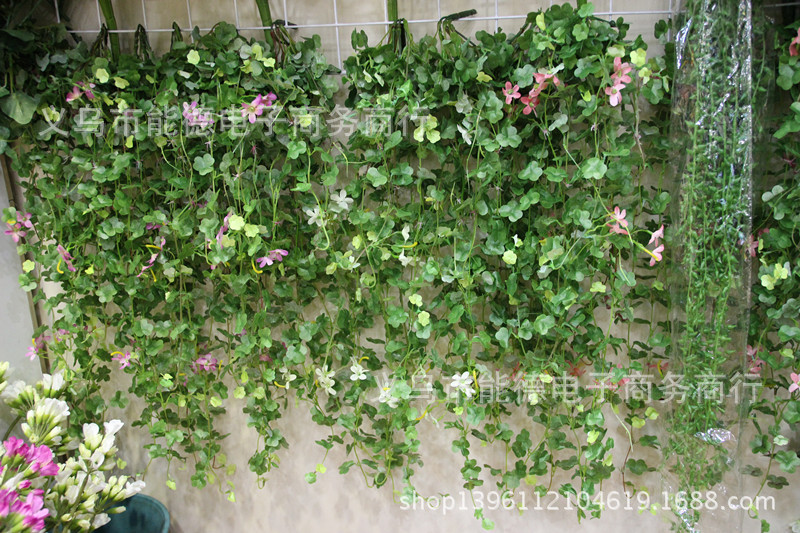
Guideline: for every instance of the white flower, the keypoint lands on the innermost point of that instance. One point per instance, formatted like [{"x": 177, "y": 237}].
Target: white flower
[
  {"x": 315, "y": 216},
  {"x": 325, "y": 379},
  {"x": 133, "y": 487},
  {"x": 517, "y": 241},
  {"x": 463, "y": 383},
  {"x": 52, "y": 384},
  {"x": 387, "y": 398},
  {"x": 91, "y": 436},
  {"x": 287, "y": 376},
  {"x": 358, "y": 372},
  {"x": 100, "y": 520},
  {"x": 406, "y": 233},
  {"x": 51, "y": 409},
  {"x": 340, "y": 202},
  {"x": 404, "y": 260},
  {"x": 13, "y": 391},
  {"x": 113, "y": 426}
]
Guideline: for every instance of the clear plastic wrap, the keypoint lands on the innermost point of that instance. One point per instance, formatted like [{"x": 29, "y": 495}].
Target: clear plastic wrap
[{"x": 713, "y": 140}]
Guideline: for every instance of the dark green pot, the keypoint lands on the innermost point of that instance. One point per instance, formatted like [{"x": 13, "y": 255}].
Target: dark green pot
[{"x": 143, "y": 514}]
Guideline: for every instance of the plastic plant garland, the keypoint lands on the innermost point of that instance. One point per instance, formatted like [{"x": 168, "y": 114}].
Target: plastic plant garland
[
  {"x": 714, "y": 48},
  {"x": 226, "y": 250}
]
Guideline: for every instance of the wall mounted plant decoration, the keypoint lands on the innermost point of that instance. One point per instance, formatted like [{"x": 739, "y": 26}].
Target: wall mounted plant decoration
[
  {"x": 157, "y": 201},
  {"x": 500, "y": 224},
  {"x": 475, "y": 232}
]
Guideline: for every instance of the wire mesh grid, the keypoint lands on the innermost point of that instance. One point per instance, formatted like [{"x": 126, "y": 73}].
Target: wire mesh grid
[{"x": 334, "y": 20}]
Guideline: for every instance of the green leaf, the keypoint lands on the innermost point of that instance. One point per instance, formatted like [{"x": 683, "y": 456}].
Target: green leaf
[
  {"x": 627, "y": 277},
  {"x": 193, "y": 57},
  {"x": 295, "y": 149},
  {"x": 377, "y": 177},
  {"x": 543, "y": 324},
  {"x": 531, "y": 172},
  {"x": 594, "y": 168},
  {"x": 788, "y": 460},
  {"x": 502, "y": 336},
  {"x": 637, "y": 466},
  {"x": 510, "y": 257},
  {"x": 204, "y": 165},
  {"x": 101, "y": 75},
  {"x": 235, "y": 222},
  {"x": 19, "y": 107},
  {"x": 424, "y": 318},
  {"x": 792, "y": 412}
]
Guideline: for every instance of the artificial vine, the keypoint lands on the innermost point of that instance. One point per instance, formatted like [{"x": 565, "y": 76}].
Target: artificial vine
[{"x": 480, "y": 232}]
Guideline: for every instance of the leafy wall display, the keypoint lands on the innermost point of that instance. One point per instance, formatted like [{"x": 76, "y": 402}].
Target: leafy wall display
[{"x": 474, "y": 230}]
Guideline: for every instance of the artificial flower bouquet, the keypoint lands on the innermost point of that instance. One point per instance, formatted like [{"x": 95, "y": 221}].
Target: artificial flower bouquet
[{"x": 50, "y": 480}]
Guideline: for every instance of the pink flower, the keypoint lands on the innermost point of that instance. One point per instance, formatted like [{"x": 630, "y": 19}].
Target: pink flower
[
  {"x": 223, "y": 229},
  {"x": 87, "y": 90},
  {"x": 41, "y": 460},
  {"x": 530, "y": 101},
  {"x": 194, "y": 117},
  {"x": 795, "y": 382},
  {"x": 619, "y": 216},
  {"x": 657, "y": 234},
  {"x": 661, "y": 366},
  {"x": 15, "y": 231},
  {"x": 621, "y": 71},
  {"x": 32, "y": 352},
  {"x": 124, "y": 359},
  {"x": 794, "y": 43},
  {"x": 8, "y": 498},
  {"x": 206, "y": 363},
  {"x": 74, "y": 94},
  {"x": 271, "y": 257},
  {"x": 576, "y": 370},
  {"x": 511, "y": 93},
  {"x": 25, "y": 220},
  {"x": 256, "y": 107},
  {"x": 542, "y": 77},
  {"x": 66, "y": 257},
  {"x": 754, "y": 363},
  {"x": 32, "y": 509},
  {"x": 614, "y": 93},
  {"x": 616, "y": 229},
  {"x": 15, "y": 446},
  {"x": 656, "y": 254},
  {"x": 153, "y": 257}
]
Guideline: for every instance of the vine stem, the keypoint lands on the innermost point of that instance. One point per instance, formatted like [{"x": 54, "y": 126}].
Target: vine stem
[
  {"x": 111, "y": 23},
  {"x": 266, "y": 18}
]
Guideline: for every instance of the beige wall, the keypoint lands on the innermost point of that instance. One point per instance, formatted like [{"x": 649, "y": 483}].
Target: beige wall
[
  {"x": 342, "y": 503},
  {"x": 16, "y": 324}
]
